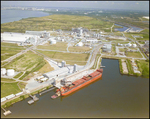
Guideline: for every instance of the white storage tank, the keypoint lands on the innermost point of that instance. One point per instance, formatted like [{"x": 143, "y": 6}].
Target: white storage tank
[
  {"x": 63, "y": 63},
  {"x": 80, "y": 44},
  {"x": 75, "y": 67},
  {"x": 10, "y": 72},
  {"x": 3, "y": 71},
  {"x": 134, "y": 45},
  {"x": 53, "y": 42}
]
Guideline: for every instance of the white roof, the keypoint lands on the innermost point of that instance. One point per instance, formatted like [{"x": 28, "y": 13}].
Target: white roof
[
  {"x": 10, "y": 96},
  {"x": 44, "y": 79},
  {"x": 40, "y": 77},
  {"x": 3, "y": 99},
  {"x": 57, "y": 72},
  {"x": 15, "y": 37},
  {"x": 19, "y": 93}
]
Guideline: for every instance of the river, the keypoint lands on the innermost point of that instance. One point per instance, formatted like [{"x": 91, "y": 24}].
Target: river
[
  {"x": 16, "y": 15},
  {"x": 115, "y": 96}
]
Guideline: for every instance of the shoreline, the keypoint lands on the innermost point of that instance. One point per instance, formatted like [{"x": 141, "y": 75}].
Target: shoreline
[
  {"x": 10, "y": 102},
  {"x": 26, "y": 17},
  {"x": 24, "y": 96}
]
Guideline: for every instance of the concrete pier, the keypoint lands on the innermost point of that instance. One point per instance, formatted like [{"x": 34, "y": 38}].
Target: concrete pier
[
  {"x": 46, "y": 91},
  {"x": 30, "y": 101},
  {"x": 6, "y": 112},
  {"x": 34, "y": 99}
]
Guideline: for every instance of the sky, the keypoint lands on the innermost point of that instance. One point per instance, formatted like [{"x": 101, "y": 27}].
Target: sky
[{"x": 122, "y": 5}]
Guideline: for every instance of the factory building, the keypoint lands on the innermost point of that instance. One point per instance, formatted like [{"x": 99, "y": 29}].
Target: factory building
[
  {"x": 53, "y": 42},
  {"x": 79, "y": 44},
  {"x": 107, "y": 47},
  {"x": 56, "y": 73},
  {"x": 92, "y": 40},
  {"x": 38, "y": 33},
  {"x": 16, "y": 37}
]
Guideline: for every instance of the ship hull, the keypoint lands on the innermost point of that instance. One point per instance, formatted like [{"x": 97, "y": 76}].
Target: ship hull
[{"x": 81, "y": 85}]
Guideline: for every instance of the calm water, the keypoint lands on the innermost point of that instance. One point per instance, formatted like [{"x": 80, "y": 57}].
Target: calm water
[
  {"x": 114, "y": 96},
  {"x": 15, "y": 15},
  {"x": 121, "y": 29},
  {"x": 125, "y": 28}
]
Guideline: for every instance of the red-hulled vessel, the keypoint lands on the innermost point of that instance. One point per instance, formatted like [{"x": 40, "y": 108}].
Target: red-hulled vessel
[{"x": 85, "y": 80}]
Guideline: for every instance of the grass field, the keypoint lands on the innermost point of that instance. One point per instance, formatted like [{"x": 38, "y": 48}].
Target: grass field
[
  {"x": 134, "y": 54},
  {"x": 9, "y": 49},
  {"x": 64, "y": 22},
  {"x": 66, "y": 56},
  {"x": 9, "y": 80},
  {"x": 58, "y": 46},
  {"x": 143, "y": 67},
  {"x": 46, "y": 68},
  {"x": 79, "y": 49},
  {"x": 18, "y": 75},
  {"x": 9, "y": 88},
  {"x": 122, "y": 49},
  {"x": 25, "y": 62}
]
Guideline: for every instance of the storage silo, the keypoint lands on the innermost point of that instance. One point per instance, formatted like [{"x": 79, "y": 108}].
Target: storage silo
[
  {"x": 63, "y": 63},
  {"x": 75, "y": 67},
  {"x": 3, "y": 71},
  {"x": 10, "y": 72},
  {"x": 53, "y": 41}
]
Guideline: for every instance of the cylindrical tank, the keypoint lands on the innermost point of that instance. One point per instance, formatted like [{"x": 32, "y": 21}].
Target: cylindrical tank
[
  {"x": 75, "y": 67},
  {"x": 3, "y": 71},
  {"x": 53, "y": 41},
  {"x": 10, "y": 72},
  {"x": 63, "y": 63}
]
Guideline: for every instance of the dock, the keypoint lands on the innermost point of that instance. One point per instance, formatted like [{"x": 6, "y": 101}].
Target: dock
[
  {"x": 30, "y": 101},
  {"x": 6, "y": 112},
  {"x": 46, "y": 91},
  {"x": 102, "y": 66},
  {"x": 33, "y": 100}
]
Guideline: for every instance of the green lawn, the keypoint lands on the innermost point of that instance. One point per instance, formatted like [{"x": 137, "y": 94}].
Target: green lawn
[
  {"x": 75, "y": 57},
  {"x": 143, "y": 66},
  {"x": 18, "y": 75},
  {"x": 134, "y": 54},
  {"x": 9, "y": 88},
  {"x": 61, "y": 46},
  {"x": 122, "y": 49},
  {"x": 7, "y": 52},
  {"x": 9, "y": 80},
  {"x": 25, "y": 62},
  {"x": 79, "y": 49}
]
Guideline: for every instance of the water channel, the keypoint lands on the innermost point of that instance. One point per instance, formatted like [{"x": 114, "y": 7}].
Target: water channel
[
  {"x": 124, "y": 28},
  {"x": 115, "y": 95}
]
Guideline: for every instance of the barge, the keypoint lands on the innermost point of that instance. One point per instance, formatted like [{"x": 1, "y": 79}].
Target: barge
[{"x": 76, "y": 85}]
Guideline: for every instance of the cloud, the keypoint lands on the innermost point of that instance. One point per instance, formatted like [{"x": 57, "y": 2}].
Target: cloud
[{"x": 137, "y": 3}]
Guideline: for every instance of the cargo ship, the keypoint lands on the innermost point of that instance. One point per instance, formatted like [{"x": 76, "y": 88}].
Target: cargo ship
[{"x": 76, "y": 85}]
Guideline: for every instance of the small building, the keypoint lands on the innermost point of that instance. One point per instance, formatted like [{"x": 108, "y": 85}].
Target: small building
[
  {"x": 53, "y": 42},
  {"x": 107, "y": 47},
  {"x": 79, "y": 44},
  {"x": 134, "y": 45},
  {"x": 10, "y": 72},
  {"x": 128, "y": 45},
  {"x": 3, "y": 71}
]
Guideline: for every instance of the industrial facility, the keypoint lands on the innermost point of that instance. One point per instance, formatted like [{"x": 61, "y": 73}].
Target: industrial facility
[
  {"x": 8, "y": 72},
  {"x": 107, "y": 47},
  {"x": 16, "y": 37}
]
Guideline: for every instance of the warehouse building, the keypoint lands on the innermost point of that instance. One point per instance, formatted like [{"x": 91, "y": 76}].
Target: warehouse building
[
  {"x": 107, "y": 47},
  {"x": 56, "y": 73},
  {"x": 16, "y": 37},
  {"x": 38, "y": 33}
]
